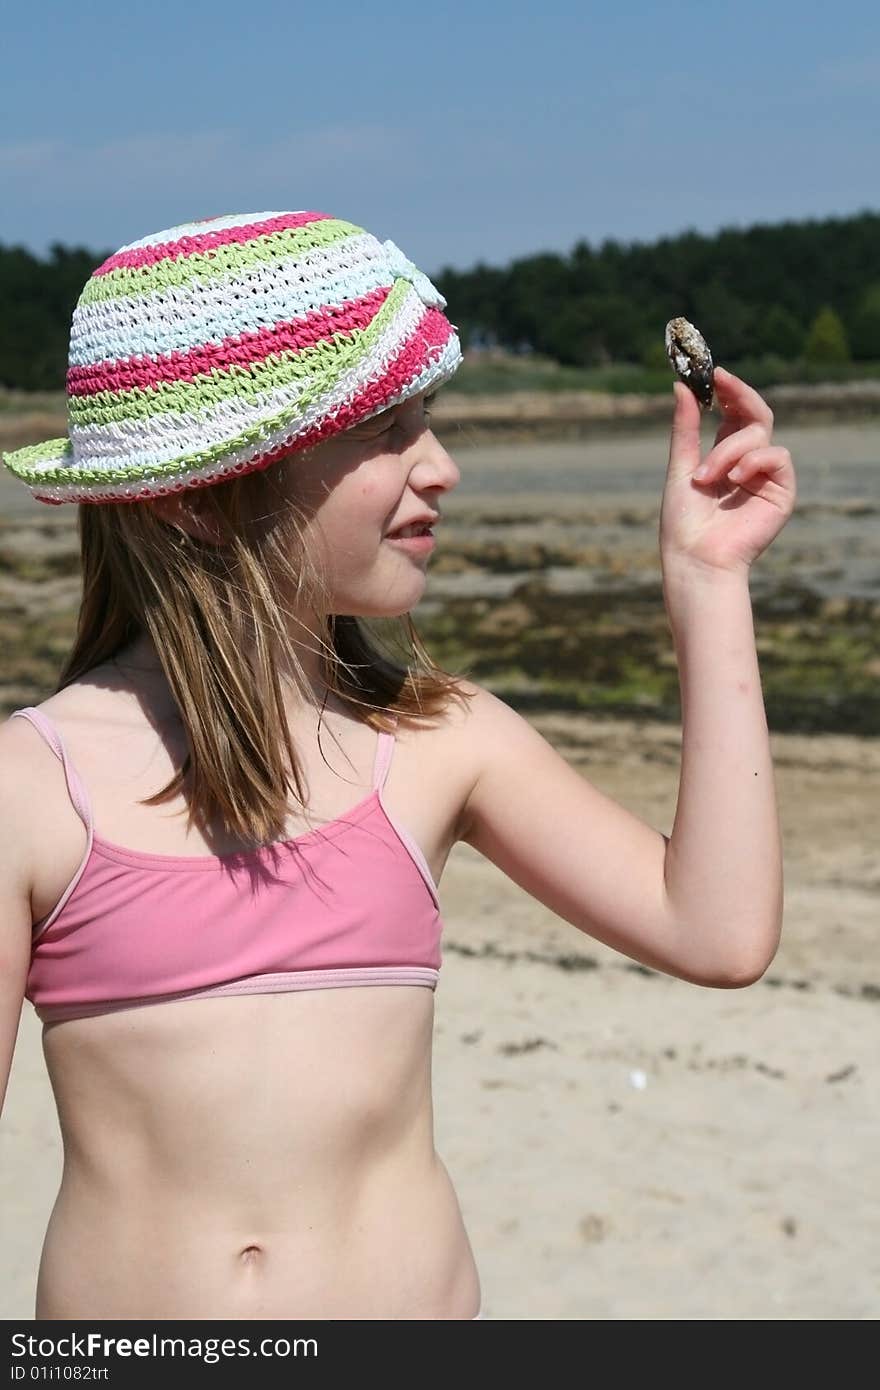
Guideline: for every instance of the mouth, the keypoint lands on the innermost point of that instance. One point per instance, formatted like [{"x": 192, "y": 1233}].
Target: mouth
[
  {"x": 407, "y": 533},
  {"x": 417, "y": 540}
]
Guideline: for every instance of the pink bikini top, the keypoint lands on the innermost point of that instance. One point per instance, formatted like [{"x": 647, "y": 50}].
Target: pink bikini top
[{"x": 351, "y": 903}]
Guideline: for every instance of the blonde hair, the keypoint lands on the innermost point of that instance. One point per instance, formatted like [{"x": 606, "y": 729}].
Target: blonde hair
[{"x": 217, "y": 612}]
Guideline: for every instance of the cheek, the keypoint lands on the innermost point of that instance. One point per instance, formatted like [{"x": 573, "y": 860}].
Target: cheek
[
  {"x": 357, "y": 512},
  {"x": 379, "y": 490},
  {"x": 351, "y": 530},
  {"x": 374, "y": 502}
]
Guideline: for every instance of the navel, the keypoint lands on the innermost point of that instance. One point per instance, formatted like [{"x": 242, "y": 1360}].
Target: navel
[{"x": 251, "y": 1255}]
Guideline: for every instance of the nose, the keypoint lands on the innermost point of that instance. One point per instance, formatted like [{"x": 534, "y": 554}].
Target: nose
[{"x": 432, "y": 465}]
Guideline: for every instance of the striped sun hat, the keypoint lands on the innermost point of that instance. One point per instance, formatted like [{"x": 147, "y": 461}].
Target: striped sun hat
[{"x": 214, "y": 348}]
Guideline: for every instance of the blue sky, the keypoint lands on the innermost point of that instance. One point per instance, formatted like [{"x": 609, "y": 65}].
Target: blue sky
[{"x": 463, "y": 131}]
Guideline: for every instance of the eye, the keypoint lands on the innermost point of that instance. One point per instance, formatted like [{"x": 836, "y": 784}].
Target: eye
[
  {"x": 375, "y": 428},
  {"x": 381, "y": 425}
]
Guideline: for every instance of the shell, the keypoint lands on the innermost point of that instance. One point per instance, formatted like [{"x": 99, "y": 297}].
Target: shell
[{"x": 690, "y": 358}]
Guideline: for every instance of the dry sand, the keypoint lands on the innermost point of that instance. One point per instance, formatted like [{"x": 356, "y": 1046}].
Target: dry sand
[{"x": 624, "y": 1145}]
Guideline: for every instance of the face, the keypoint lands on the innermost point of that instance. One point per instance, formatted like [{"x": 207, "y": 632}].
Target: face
[{"x": 363, "y": 484}]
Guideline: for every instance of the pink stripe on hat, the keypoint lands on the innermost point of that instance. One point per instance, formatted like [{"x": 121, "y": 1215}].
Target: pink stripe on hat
[
  {"x": 247, "y": 348},
  {"x": 150, "y": 255},
  {"x": 434, "y": 332}
]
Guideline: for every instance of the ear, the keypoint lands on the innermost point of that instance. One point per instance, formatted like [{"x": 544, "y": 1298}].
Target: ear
[{"x": 182, "y": 509}]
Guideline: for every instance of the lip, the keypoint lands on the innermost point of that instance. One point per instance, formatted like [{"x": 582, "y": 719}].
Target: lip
[
  {"x": 426, "y": 519},
  {"x": 414, "y": 545}
]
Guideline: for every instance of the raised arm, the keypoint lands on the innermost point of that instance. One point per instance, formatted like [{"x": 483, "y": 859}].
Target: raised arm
[
  {"x": 15, "y": 900},
  {"x": 705, "y": 904}
]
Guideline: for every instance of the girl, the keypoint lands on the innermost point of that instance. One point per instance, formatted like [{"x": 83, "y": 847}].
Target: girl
[{"x": 231, "y": 931}]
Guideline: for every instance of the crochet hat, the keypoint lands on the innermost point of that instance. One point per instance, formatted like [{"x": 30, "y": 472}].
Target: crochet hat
[{"x": 214, "y": 348}]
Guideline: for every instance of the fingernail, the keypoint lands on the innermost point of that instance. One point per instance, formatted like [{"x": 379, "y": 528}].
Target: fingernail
[
  {"x": 735, "y": 474},
  {"x": 701, "y": 472}
]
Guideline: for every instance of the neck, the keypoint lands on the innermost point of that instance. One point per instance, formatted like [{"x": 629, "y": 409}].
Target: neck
[{"x": 141, "y": 660}]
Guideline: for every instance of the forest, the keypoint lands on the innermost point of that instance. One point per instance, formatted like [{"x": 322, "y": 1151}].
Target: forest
[{"x": 792, "y": 292}]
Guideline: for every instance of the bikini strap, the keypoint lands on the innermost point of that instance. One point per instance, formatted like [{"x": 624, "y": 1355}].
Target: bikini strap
[
  {"x": 384, "y": 754},
  {"x": 77, "y": 791}
]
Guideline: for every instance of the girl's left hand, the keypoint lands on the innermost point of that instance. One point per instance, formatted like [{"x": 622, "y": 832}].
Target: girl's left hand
[{"x": 722, "y": 521}]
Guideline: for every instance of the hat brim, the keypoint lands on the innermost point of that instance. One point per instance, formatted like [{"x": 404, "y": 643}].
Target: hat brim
[{"x": 425, "y": 361}]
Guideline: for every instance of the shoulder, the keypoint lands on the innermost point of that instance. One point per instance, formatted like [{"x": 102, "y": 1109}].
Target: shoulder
[
  {"x": 524, "y": 796},
  {"x": 22, "y": 790},
  {"x": 31, "y": 786},
  {"x": 486, "y": 718},
  {"x": 449, "y": 750},
  {"x": 24, "y": 753},
  {"x": 20, "y": 763},
  {"x": 483, "y": 736}
]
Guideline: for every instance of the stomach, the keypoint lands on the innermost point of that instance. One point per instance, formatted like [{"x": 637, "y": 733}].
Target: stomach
[{"x": 267, "y": 1156}]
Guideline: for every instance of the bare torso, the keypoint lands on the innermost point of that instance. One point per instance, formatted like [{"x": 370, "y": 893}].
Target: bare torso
[{"x": 266, "y": 1156}]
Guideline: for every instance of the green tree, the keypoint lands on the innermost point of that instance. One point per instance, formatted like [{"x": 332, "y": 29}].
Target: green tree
[
  {"x": 654, "y": 354},
  {"x": 725, "y": 318},
  {"x": 778, "y": 332},
  {"x": 751, "y": 290},
  {"x": 826, "y": 339},
  {"x": 865, "y": 326},
  {"x": 574, "y": 336}
]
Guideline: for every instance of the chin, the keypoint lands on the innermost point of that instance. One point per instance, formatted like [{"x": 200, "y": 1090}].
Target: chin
[
  {"x": 392, "y": 600},
  {"x": 398, "y": 611},
  {"x": 385, "y": 610}
]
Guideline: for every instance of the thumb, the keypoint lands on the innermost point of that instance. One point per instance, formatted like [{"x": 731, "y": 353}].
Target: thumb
[{"x": 684, "y": 442}]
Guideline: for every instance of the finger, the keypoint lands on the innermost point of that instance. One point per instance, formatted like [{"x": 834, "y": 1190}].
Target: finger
[
  {"x": 729, "y": 452},
  {"x": 684, "y": 441},
  {"x": 739, "y": 401},
  {"x": 773, "y": 463}
]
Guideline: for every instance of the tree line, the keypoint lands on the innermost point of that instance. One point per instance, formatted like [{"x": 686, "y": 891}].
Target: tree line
[
  {"x": 794, "y": 290},
  {"x": 807, "y": 290}
]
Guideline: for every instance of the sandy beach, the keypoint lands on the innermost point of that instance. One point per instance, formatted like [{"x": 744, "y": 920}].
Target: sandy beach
[{"x": 624, "y": 1145}]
